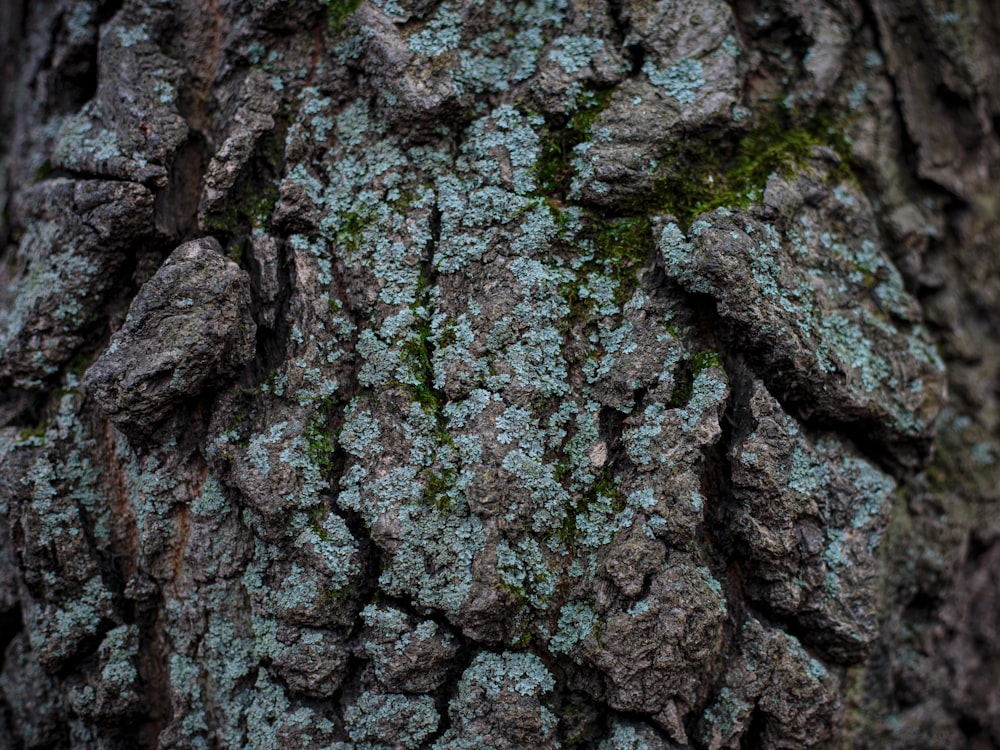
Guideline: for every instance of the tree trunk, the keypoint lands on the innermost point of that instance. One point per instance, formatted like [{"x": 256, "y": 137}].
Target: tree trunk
[{"x": 480, "y": 374}]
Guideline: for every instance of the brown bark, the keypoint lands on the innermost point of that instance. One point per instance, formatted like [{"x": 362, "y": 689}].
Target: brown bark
[{"x": 404, "y": 374}]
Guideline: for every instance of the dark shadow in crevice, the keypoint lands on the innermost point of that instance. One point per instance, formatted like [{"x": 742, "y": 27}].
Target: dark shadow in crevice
[
  {"x": 869, "y": 437},
  {"x": 753, "y": 738},
  {"x": 176, "y": 205},
  {"x": 22, "y": 408},
  {"x": 11, "y": 623}
]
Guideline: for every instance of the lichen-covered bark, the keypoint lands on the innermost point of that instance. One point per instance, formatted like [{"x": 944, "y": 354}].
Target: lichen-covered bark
[{"x": 479, "y": 374}]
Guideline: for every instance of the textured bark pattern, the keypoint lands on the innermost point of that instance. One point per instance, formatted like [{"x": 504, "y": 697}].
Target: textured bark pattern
[{"x": 607, "y": 374}]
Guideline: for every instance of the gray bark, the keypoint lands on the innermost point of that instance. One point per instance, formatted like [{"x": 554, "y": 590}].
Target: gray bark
[{"x": 562, "y": 373}]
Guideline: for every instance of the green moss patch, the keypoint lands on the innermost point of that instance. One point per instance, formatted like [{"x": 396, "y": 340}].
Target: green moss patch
[
  {"x": 692, "y": 367},
  {"x": 253, "y": 198},
  {"x": 711, "y": 175},
  {"x": 554, "y": 169},
  {"x": 337, "y": 12}
]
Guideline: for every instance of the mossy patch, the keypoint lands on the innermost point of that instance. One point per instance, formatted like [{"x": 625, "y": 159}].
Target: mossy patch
[
  {"x": 32, "y": 435},
  {"x": 337, "y": 12},
  {"x": 316, "y": 518},
  {"x": 80, "y": 363},
  {"x": 320, "y": 446},
  {"x": 703, "y": 360},
  {"x": 554, "y": 170},
  {"x": 438, "y": 486},
  {"x": 416, "y": 353},
  {"x": 712, "y": 175},
  {"x": 251, "y": 202},
  {"x": 351, "y": 230},
  {"x": 690, "y": 369},
  {"x": 250, "y": 211},
  {"x": 42, "y": 171},
  {"x": 606, "y": 487},
  {"x": 622, "y": 246}
]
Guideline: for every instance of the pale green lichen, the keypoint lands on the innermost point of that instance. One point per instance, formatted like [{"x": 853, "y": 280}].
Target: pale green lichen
[
  {"x": 681, "y": 81},
  {"x": 378, "y": 720},
  {"x": 577, "y": 620}
]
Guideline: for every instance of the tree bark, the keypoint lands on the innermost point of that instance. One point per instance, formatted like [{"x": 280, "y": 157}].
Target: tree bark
[{"x": 561, "y": 373}]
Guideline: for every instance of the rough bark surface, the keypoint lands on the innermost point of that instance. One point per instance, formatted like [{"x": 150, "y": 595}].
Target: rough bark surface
[{"x": 480, "y": 374}]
